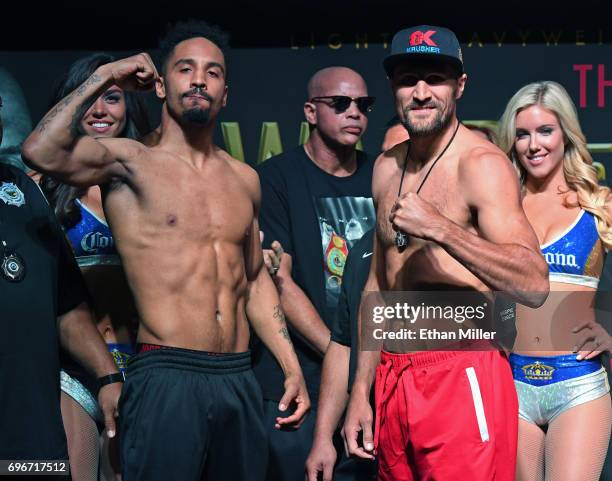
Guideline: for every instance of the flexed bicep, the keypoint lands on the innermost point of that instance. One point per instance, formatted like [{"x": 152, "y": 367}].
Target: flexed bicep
[
  {"x": 94, "y": 161},
  {"x": 58, "y": 148}
]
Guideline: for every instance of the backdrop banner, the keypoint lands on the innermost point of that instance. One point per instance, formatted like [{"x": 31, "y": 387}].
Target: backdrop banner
[{"x": 267, "y": 87}]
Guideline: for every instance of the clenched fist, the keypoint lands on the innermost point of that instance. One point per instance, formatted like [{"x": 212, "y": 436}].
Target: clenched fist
[
  {"x": 415, "y": 216},
  {"x": 135, "y": 73}
]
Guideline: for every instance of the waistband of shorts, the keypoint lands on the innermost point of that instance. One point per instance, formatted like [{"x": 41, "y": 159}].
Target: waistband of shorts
[
  {"x": 429, "y": 358},
  {"x": 156, "y": 356},
  {"x": 551, "y": 369},
  {"x": 125, "y": 348}
]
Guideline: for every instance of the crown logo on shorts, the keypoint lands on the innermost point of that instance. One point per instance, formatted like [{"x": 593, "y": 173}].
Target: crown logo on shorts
[{"x": 538, "y": 371}]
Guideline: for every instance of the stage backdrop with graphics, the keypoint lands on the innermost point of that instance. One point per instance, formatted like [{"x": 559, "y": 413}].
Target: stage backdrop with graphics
[{"x": 267, "y": 87}]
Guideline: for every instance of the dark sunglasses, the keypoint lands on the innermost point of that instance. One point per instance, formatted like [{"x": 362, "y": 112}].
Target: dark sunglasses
[{"x": 340, "y": 103}]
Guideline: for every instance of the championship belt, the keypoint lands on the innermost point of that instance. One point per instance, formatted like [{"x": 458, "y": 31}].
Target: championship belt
[{"x": 336, "y": 254}]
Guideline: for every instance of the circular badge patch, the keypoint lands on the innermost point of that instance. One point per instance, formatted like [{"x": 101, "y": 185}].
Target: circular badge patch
[{"x": 11, "y": 195}]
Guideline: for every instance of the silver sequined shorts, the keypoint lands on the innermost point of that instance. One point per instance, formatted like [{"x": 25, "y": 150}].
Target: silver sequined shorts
[
  {"x": 81, "y": 395},
  {"x": 542, "y": 404}
]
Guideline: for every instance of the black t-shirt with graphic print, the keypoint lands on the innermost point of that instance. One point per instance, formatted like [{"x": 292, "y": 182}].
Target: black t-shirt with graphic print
[{"x": 317, "y": 217}]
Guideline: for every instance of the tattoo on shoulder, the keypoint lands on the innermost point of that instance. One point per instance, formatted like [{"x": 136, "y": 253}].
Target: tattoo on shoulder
[{"x": 66, "y": 101}]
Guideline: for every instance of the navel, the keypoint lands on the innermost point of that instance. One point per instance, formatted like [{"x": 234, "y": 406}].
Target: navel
[{"x": 171, "y": 220}]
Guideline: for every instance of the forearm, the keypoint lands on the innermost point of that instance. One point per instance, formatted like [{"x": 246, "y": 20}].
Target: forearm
[
  {"x": 57, "y": 131},
  {"x": 302, "y": 315},
  {"x": 514, "y": 269},
  {"x": 333, "y": 392},
  {"x": 368, "y": 359},
  {"x": 266, "y": 315},
  {"x": 365, "y": 374},
  {"x": 80, "y": 337}
]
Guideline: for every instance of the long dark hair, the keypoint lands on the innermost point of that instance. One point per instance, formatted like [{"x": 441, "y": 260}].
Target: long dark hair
[{"x": 62, "y": 196}]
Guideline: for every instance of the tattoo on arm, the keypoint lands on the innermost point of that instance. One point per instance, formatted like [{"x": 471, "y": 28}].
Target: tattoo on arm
[
  {"x": 77, "y": 116},
  {"x": 42, "y": 125},
  {"x": 279, "y": 315},
  {"x": 285, "y": 333}
]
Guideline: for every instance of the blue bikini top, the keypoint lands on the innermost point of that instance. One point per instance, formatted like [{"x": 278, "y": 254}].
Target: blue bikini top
[
  {"x": 577, "y": 255},
  {"x": 92, "y": 240}
]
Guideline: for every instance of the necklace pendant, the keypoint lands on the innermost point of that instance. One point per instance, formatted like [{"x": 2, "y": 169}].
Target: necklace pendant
[
  {"x": 13, "y": 267},
  {"x": 401, "y": 239}
]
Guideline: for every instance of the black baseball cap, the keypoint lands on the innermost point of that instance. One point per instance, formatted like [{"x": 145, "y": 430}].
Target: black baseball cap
[{"x": 424, "y": 41}]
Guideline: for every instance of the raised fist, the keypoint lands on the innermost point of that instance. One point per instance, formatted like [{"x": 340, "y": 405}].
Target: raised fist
[{"x": 136, "y": 73}]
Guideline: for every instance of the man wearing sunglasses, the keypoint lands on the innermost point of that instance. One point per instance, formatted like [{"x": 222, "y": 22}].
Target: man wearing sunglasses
[
  {"x": 449, "y": 218},
  {"x": 316, "y": 200}
]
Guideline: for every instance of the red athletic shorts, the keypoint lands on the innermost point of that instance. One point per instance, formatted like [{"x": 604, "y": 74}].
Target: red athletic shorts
[{"x": 446, "y": 415}]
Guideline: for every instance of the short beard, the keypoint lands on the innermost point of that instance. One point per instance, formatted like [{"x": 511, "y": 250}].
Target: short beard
[
  {"x": 196, "y": 116},
  {"x": 437, "y": 125}
]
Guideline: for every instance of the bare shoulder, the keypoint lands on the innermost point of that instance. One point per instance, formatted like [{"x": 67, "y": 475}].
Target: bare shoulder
[
  {"x": 123, "y": 149},
  {"x": 481, "y": 161},
  {"x": 486, "y": 175},
  {"x": 389, "y": 160},
  {"x": 244, "y": 172},
  {"x": 386, "y": 166}
]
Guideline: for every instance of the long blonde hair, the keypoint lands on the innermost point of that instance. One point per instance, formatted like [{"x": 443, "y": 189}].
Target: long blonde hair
[{"x": 579, "y": 172}]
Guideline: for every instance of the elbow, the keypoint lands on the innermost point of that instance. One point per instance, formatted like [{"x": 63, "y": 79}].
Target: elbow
[
  {"x": 32, "y": 154},
  {"x": 538, "y": 286},
  {"x": 534, "y": 299},
  {"x": 42, "y": 155}
]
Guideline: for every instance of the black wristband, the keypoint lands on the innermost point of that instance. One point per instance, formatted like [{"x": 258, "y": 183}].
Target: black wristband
[{"x": 110, "y": 379}]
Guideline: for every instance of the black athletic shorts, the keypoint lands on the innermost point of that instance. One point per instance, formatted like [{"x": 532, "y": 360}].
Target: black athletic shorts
[{"x": 191, "y": 416}]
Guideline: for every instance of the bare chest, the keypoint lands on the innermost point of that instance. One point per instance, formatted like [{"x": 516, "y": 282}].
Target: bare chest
[
  {"x": 191, "y": 207},
  {"x": 440, "y": 189}
]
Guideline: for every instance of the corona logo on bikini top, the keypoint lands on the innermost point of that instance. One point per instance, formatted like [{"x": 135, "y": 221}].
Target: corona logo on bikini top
[
  {"x": 335, "y": 255},
  {"x": 92, "y": 241},
  {"x": 538, "y": 371}
]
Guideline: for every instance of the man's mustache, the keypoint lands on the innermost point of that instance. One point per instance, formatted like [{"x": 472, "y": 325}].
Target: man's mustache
[
  {"x": 428, "y": 105},
  {"x": 200, "y": 92}
]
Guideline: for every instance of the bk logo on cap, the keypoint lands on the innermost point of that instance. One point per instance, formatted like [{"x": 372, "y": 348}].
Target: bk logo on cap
[{"x": 418, "y": 38}]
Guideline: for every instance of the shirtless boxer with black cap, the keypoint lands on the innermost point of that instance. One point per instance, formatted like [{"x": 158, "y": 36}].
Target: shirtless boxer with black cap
[
  {"x": 184, "y": 216},
  {"x": 449, "y": 218}
]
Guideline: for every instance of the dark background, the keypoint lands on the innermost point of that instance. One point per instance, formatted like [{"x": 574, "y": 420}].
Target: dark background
[
  {"x": 505, "y": 46},
  {"x": 277, "y": 46},
  {"x": 121, "y": 25}
]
